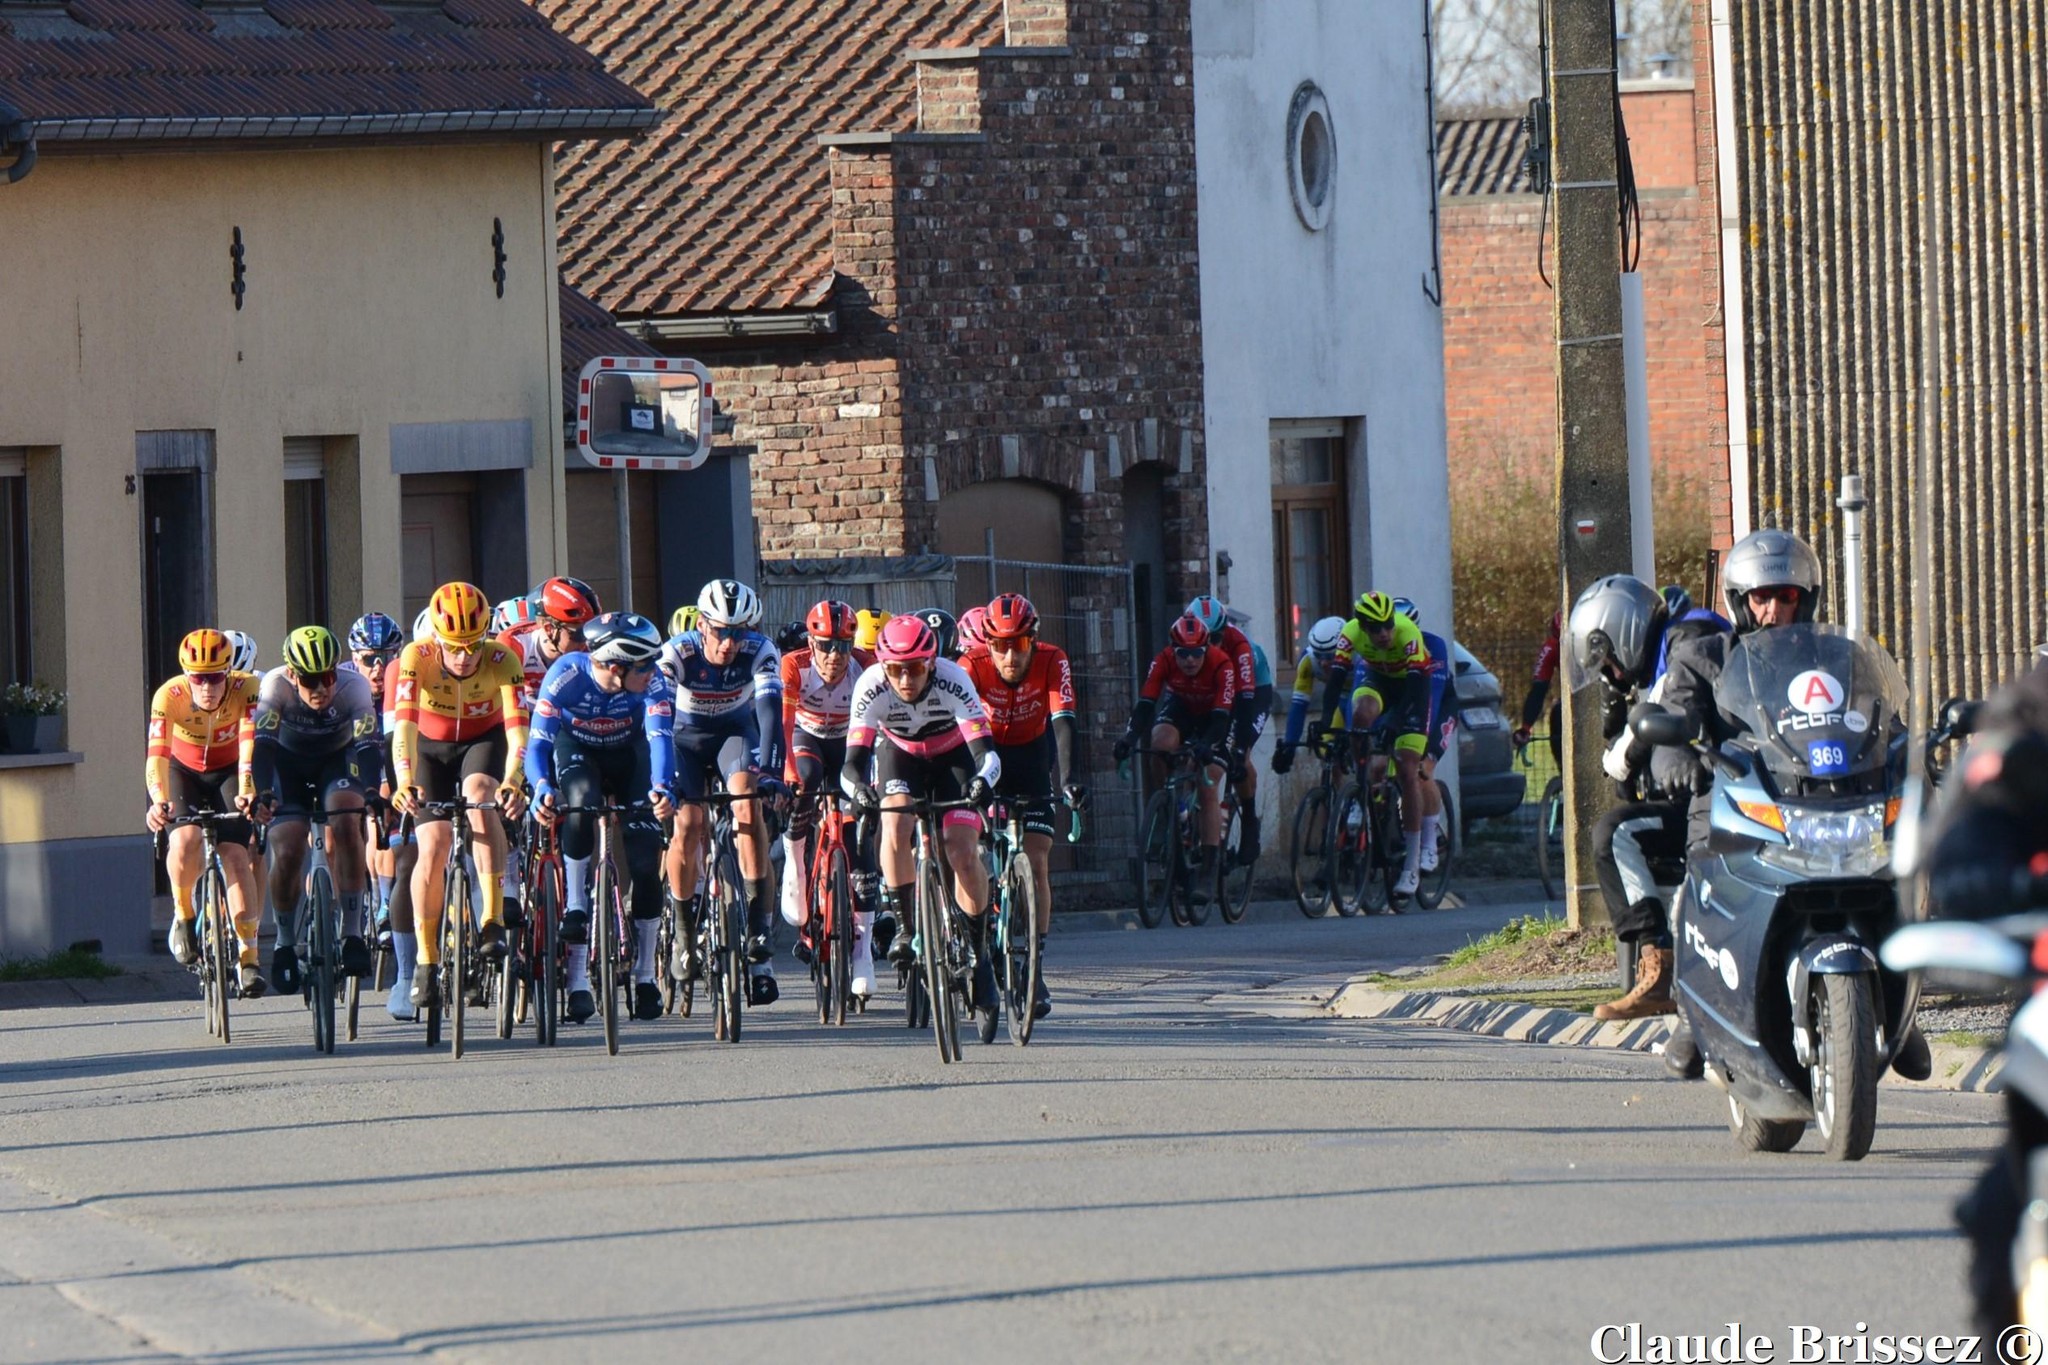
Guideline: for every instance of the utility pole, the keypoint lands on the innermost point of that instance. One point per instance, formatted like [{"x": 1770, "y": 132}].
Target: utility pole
[{"x": 1593, "y": 528}]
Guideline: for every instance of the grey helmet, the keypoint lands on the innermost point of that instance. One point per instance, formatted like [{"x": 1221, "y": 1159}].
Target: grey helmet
[
  {"x": 1769, "y": 559},
  {"x": 1619, "y": 618}
]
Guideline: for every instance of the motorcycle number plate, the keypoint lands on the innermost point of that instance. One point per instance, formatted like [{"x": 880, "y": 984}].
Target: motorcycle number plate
[{"x": 1827, "y": 757}]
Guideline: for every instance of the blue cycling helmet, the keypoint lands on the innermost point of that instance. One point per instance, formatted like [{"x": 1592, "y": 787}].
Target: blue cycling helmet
[
  {"x": 1408, "y": 609},
  {"x": 1209, "y": 612},
  {"x": 1677, "y": 601},
  {"x": 374, "y": 633}
]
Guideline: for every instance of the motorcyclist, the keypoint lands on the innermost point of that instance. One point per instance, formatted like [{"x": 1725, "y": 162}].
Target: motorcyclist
[{"x": 1619, "y": 634}]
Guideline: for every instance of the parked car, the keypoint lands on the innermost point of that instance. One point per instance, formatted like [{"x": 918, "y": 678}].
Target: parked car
[{"x": 1489, "y": 782}]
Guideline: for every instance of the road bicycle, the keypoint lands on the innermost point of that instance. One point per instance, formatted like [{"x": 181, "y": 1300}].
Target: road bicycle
[
  {"x": 1549, "y": 829},
  {"x": 1312, "y": 843},
  {"x": 460, "y": 973},
  {"x": 1170, "y": 842},
  {"x": 946, "y": 943},
  {"x": 1372, "y": 835},
  {"x": 1012, "y": 921},
  {"x": 722, "y": 922},
  {"x": 317, "y": 938},
  {"x": 213, "y": 926},
  {"x": 831, "y": 905},
  {"x": 612, "y": 939},
  {"x": 530, "y": 978}
]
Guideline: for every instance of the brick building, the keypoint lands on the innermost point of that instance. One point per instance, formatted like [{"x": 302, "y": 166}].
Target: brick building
[{"x": 1499, "y": 335}]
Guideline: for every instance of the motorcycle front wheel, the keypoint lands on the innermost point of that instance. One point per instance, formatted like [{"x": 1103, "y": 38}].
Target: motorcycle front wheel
[{"x": 1845, "y": 1063}]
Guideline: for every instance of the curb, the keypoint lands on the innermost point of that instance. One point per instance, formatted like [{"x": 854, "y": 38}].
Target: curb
[{"x": 1971, "y": 1069}]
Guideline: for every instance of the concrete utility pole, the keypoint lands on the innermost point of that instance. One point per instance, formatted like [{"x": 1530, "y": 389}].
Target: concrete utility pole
[{"x": 1593, "y": 530}]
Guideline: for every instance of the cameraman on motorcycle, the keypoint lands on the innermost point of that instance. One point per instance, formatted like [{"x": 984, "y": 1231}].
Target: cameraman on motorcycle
[{"x": 1620, "y": 634}]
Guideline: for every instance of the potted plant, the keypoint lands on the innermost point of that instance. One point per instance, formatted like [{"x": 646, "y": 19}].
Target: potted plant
[{"x": 34, "y": 717}]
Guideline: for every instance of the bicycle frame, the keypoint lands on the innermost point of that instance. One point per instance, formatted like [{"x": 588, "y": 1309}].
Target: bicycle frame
[
  {"x": 214, "y": 926},
  {"x": 456, "y": 911}
]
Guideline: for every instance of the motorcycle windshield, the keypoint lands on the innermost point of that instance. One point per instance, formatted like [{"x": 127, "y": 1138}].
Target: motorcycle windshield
[{"x": 1820, "y": 702}]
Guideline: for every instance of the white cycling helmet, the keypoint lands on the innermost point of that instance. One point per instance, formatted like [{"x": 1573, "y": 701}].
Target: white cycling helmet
[
  {"x": 244, "y": 657},
  {"x": 728, "y": 602},
  {"x": 423, "y": 624},
  {"x": 1325, "y": 635},
  {"x": 622, "y": 637}
]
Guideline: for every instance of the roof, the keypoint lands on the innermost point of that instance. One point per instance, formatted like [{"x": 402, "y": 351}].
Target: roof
[
  {"x": 1481, "y": 156},
  {"x": 729, "y": 207},
  {"x": 153, "y": 70},
  {"x": 588, "y": 332}
]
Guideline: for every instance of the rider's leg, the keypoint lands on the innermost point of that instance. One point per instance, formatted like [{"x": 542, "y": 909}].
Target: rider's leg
[
  {"x": 1165, "y": 737},
  {"x": 287, "y": 861},
  {"x": 346, "y": 855},
  {"x": 433, "y": 837},
  {"x": 643, "y": 871},
  {"x": 244, "y": 909},
  {"x": 184, "y": 859},
  {"x": 487, "y": 848},
  {"x": 970, "y": 874}
]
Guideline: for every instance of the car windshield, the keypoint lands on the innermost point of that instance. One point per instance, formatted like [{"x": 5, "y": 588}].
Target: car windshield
[{"x": 1820, "y": 702}]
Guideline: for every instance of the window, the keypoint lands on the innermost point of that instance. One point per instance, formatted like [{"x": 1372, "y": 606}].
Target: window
[
  {"x": 16, "y": 661},
  {"x": 1311, "y": 532},
  {"x": 305, "y": 532}
]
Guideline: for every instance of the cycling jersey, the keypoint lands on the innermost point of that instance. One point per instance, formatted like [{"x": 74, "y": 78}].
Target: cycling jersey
[
  {"x": 570, "y": 700},
  {"x": 525, "y": 640},
  {"x": 1212, "y": 687},
  {"x": 947, "y": 714},
  {"x": 1405, "y": 653},
  {"x": 1243, "y": 658},
  {"x": 201, "y": 741},
  {"x": 284, "y": 718},
  {"x": 708, "y": 691},
  {"x": 811, "y": 704},
  {"x": 1309, "y": 674},
  {"x": 1019, "y": 713},
  {"x": 434, "y": 705}
]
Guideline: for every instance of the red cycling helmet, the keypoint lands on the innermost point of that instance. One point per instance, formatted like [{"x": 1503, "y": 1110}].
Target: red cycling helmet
[
  {"x": 567, "y": 601},
  {"x": 1011, "y": 615},
  {"x": 907, "y": 639},
  {"x": 973, "y": 629},
  {"x": 1189, "y": 632},
  {"x": 831, "y": 621}
]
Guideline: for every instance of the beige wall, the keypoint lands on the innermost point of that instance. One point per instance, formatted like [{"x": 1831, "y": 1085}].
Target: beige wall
[{"x": 370, "y": 301}]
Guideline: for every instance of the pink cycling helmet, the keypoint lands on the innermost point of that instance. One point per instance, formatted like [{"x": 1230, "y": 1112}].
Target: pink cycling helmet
[
  {"x": 973, "y": 628},
  {"x": 906, "y": 639}
]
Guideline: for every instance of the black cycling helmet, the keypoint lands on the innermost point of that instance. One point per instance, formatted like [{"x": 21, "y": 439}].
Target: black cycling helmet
[
  {"x": 792, "y": 637},
  {"x": 943, "y": 628}
]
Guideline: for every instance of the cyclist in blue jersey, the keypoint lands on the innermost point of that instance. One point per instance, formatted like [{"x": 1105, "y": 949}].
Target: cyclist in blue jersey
[
  {"x": 728, "y": 685},
  {"x": 1309, "y": 672},
  {"x": 602, "y": 730}
]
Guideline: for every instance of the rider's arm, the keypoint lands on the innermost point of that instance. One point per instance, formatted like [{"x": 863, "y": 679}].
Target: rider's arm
[
  {"x": 245, "y": 765},
  {"x": 861, "y": 728},
  {"x": 515, "y": 723},
  {"x": 405, "y": 715},
  {"x": 540, "y": 737},
  {"x": 792, "y": 687},
  {"x": 768, "y": 708},
  {"x": 1060, "y": 701},
  {"x": 658, "y": 723},
  {"x": 1148, "y": 693},
  {"x": 156, "y": 768}
]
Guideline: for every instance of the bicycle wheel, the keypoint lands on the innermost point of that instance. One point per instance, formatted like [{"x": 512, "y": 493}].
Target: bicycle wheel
[
  {"x": 1390, "y": 844},
  {"x": 1017, "y": 960},
  {"x": 1550, "y": 839},
  {"x": 1352, "y": 850},
  {"x": 839, "y": 884},
  {"x": 1435, "y": 883},
  {"x": 1233, "y": 874},
  {"x": 457, "y": 928},
  {"x": 731, "y": 909},
  {"x": 320, "y": 971},
  {"x": 223, "y": 955},
  {"x": 511, "y": 974},
  {"x": 933, "y": 948},
  {"x": 1308, "y": 853},
  {"x": 604, "y": 923},
  {"x": 543, "y": 984},
  {"x": 1156, "y": 854}
]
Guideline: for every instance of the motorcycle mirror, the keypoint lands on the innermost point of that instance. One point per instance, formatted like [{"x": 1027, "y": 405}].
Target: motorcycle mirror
[
  {"x": 1652, "y": 724},
  {"x": 1954, "y": 947},
  {"x": 1958, "y": 718}
]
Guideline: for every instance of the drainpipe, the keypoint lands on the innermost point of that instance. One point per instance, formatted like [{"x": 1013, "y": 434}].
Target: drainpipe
[
  {"x": 17, "y": 135},
  {"x": 1727, "y": 196}
]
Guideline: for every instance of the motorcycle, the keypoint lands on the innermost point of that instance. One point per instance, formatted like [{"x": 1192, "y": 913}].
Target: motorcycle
[{"x": 1781, "y": 912}]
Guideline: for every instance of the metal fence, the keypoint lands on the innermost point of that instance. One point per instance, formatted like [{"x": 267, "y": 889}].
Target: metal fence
[
  {"x": 1512, "y": 660},
  {"x": 790, "y": 587}
]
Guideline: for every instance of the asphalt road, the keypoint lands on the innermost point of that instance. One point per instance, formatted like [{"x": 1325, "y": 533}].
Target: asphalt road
[{"x": 1185, "y": 1165}]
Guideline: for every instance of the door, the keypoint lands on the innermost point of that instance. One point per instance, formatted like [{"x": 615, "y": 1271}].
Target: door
[
  {"x": 438, "y": 516},
  {"x": 177, "y": 566}
]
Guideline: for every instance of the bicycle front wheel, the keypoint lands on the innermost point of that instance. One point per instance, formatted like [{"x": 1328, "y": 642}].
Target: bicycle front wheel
[
  {"x": 1016, "y": 947},
  {"x": 605, "y": 924},
  {"x": 1550, "y": 839},
  {"x": 1308, "y": 853},
  {"x": 839, "y": 888},
  {"x": 222, "y": 956},
  {"x": 730, "y": 906},
  {"x": 1233, "y": 873},
  {"x": 543, "y": 985},
  {"x": 933, "y": 946},
  {"x": 1157, "y": 850},
  {"x": 320, "y": 973},
  {"x": 457, "y": 929},
  {"x": 1353, "y": 854}
]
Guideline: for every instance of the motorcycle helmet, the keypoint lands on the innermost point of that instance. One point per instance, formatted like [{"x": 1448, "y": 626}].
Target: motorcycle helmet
[
  {"x": 1769, "y": 559},
  {"x": 1619, "y": 619}
]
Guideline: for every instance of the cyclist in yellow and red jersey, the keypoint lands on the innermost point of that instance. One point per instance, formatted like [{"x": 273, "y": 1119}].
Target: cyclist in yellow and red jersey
[
  {"x": 459, "y": 730},
  {"x": 1396, "y": 662},
  {"x": 202, "y": 749}
]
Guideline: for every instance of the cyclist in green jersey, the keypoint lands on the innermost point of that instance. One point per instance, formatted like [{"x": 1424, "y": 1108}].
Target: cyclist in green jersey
[{"x": 1395, "y": 661}]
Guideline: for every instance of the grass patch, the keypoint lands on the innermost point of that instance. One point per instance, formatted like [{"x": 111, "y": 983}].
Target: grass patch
[
  {"x": 1529, "y": 948},
  {"x": 1579, "y": 1001},
  {"x": 68, "y": 965},
  {"x": 1968, "y": 1038}
]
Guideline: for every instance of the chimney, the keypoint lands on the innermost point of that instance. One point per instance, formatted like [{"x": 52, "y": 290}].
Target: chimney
[{"x": 1035, "y": 23}]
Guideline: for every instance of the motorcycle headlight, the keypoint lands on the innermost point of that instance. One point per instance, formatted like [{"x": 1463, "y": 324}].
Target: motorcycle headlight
[{"x": 1832, "y": 843}]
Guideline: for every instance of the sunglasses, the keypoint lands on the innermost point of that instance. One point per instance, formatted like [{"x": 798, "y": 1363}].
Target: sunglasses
[
  {"x": 313, "y": 682},
  {"x": 573, "y": 634},
  {"x": 616, "y": 666},
  {"x": 207, "y": 679},
  {"x": 910, "y": 670},
  {"x": 366, "y": 658},
  {"x": 1789, "y": 596},
  {"x": 821, "y": 646},
  {"x": 1189, "y": 654},
  {"x": 1015, "y": 644},
  {"x": 461, "y": 651},
  {"x": 724, "y": 632}
]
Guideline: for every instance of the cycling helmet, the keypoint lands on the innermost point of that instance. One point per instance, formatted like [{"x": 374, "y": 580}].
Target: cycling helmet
[
  {"x": 1010, "y": 616},
  {"x": 567, "y": 601},
  {"x": 907, "y": 639},
  {"x": 1408, "y": 609},
  {"x": 1677, "y": 600},
  {"x": 1769, "y": 559},
  {"x": 1209, "y": 612},
  {"x": 513, "y": 611},
  {"x": 1618, "y": 619},
  {"x": 1373, "y": 609},
  {"x": 459, "y": 613},
  {"x": 311, "y": 649},
  {"x": 790, "y": 637},
  {"x": 973, "y": 630},
  {"x": 868, "y": 623},
  {"x": 943, "y": 627},
  {"x": 1325, "y": 635},
  {"x": 374, "y": 631},
  {"x": 622, "y": 637},
  {"x": 685, "y": 618},
  {"x": 205, "y": 651},
  {"x": 831, "y": 620},
  {"x": 245, "y": 650},
  {"x": 727, "y": 602},
  {"x": 1189, "y": 633}
]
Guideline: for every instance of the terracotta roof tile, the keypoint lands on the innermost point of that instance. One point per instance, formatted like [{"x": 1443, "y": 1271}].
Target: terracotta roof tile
[
  {"x": 727, "y": 207},
  {"x": 153, "y": 69},
  {"x": 588, "y": 332},
  {"x": 1481, "y": 156}
]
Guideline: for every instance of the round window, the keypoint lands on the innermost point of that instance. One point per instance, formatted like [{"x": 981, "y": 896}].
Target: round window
[{"x": 1311, "y": 156}]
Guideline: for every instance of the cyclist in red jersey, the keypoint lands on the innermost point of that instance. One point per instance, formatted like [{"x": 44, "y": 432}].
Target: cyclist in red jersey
[
  {"x": 1189, "y": 691},
  {"x": 1027, "y": 687},
  {"x": 565, "y": 606},
  {"x": 1539, "y": 688}
]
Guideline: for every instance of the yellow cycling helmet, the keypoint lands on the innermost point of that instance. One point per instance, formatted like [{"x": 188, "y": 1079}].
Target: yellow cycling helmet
[
  {"x": 867, "y": 626},
  {"x": 1373, "y": 609},
  {"x": 205, "y": 651},
  {"x": 685, "y": 618},
  {"x": 312, "y": 650},
  {"x": 461, "y": 614}
]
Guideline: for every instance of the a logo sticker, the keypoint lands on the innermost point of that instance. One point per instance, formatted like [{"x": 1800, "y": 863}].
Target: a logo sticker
[
  {"x": 1816, "y": 692},
  {"x": 1855, "y": 721}
]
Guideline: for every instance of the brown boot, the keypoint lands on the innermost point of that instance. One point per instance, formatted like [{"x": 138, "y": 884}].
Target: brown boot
[{"x": 1652, "y": 993}]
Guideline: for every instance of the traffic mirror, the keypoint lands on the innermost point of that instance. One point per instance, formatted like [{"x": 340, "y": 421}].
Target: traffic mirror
[{"x": 644, "y": 412}]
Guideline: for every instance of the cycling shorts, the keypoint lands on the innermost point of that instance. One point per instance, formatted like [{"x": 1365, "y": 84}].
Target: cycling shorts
[
  {"x": 443, "y": 765},
  {"x": 1402, "y": 703},
  {"x": 214, "y": 791},
  {"x": 1175, "y": 710},
  {"x": 937, "y": 777},
  {"x": 308, "y": 782},
  {"x": 1027, "y": 781},
  {"x": 726, "y": 745},
  {"x": 816, "y": 760}
]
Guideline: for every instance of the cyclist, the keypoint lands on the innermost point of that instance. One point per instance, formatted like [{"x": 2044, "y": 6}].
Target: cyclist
[
  {"x": 973, "y": 632},
  {"x": 603, "y": 727},
  {"x": 1540, "y": 678},
  {"x": 944, "y": 629},
  {"x": 202, "y": 738},
  {"x": 1396, "y": 685},
  {"x": 682, "y": 619},
  {"x": 317, "y": 744},
  {"x": 791, "y": 637},
  {"x": 373, "y": 644},
  {"x": 868, "y": 623},
  {"x": 244, "y": 660},
  {"x": 1192, "y": 685},
  {"x": 1309, "y": 673},
  {"x": 937, "y": 749},
  {"x": 555, "y": 628},
  {"x": 817, "y": 699},
  {"x": 728, "y": 705},
  {"x": 1027, "y": 688},
  {"x": 460, "y": 730},
  {"x": 1443, "y": 725},
  {"x": 1248, "y": 717},
  {"x": 511, "y": 613}
]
